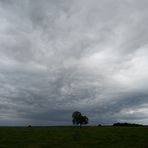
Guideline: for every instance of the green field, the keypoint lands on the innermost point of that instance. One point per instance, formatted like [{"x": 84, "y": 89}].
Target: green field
[{"x": 74, "y": 137}]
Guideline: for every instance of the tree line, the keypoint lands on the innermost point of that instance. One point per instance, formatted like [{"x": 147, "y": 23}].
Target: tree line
[{"x": 79, "y": 119}]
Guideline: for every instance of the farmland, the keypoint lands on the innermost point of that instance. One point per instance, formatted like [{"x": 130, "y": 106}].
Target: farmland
[{"x": 74, "y": 137}]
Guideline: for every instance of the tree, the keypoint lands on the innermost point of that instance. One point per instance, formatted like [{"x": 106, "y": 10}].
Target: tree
[{"x": 78, "y": 119}]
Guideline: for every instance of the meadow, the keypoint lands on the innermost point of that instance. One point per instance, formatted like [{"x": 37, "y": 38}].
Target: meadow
[{"x": 74, "y": 137}]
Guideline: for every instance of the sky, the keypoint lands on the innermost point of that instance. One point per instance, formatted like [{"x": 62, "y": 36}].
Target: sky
[{"x": 61, "y": 56}]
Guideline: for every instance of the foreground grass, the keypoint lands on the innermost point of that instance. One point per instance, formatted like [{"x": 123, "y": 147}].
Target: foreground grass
[{"x": 70, "y": 137}]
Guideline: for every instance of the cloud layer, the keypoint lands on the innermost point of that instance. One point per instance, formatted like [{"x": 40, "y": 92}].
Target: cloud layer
[{"x": 60, "y": 56}]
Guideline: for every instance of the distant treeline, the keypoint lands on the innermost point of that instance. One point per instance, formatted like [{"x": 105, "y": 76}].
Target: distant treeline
[{"x": 126, "y": 124}]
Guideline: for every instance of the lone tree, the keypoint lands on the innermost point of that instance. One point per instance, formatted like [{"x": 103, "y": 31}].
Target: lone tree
[{"x": 78, "y": 119}]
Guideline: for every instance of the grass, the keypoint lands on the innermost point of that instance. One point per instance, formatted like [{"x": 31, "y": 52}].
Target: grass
[{"x": 74, "y": 137}]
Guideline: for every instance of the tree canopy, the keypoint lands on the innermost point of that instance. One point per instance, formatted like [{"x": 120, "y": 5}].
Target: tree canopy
[{"x": 78, "y": 119}]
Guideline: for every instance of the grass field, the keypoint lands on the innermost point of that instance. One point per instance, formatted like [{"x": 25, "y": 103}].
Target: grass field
[{"x": 74, "y": 137}]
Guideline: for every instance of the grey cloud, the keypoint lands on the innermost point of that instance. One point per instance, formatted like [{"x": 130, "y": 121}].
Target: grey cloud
[{"x": 60, "y": 56}]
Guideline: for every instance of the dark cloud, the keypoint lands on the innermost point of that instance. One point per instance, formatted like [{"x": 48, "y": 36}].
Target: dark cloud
[{"x": 60, "y": 56}]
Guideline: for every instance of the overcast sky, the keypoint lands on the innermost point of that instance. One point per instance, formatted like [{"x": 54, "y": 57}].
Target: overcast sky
[{"x": 61, "y": 56}]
